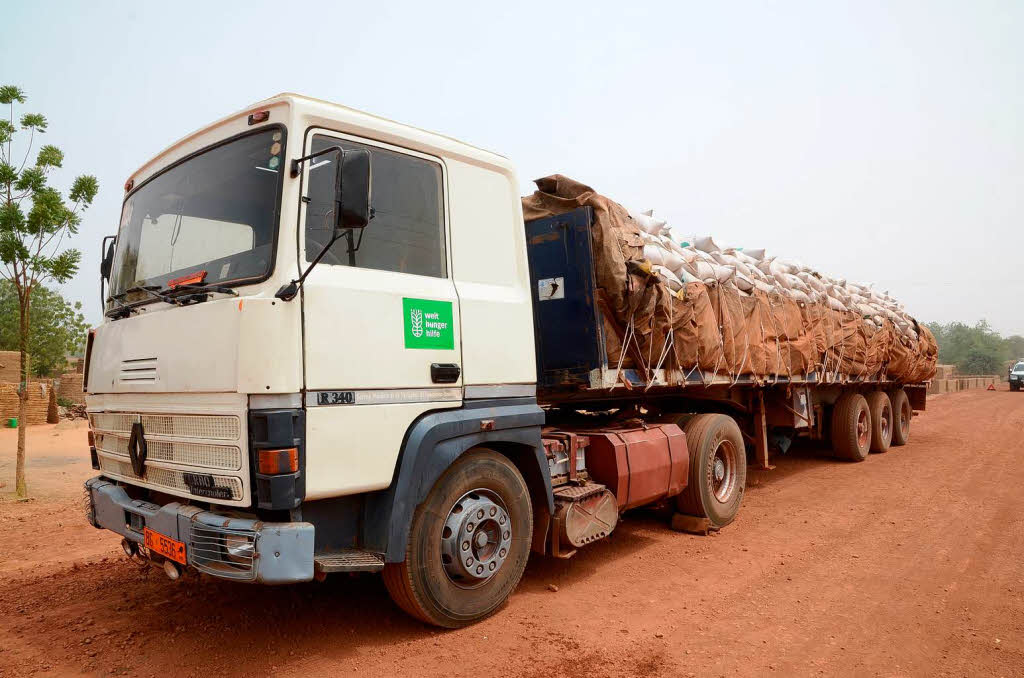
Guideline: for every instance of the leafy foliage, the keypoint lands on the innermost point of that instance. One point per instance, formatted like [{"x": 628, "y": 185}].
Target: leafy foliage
[
  {"x": 34, "y": 217},
  {"x": 58, "y": 328},
  {"x": 35, "y": 220},
  {"x": 976, "y": 350}
]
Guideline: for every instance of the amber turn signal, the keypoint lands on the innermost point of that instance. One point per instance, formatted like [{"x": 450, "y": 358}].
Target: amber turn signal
[
  {"x": 261, "y": 116},
  {"x": 274, "y": 462}
]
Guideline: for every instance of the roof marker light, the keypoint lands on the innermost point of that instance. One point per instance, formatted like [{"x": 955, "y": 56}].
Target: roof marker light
[{"x": 257, "y": 118}]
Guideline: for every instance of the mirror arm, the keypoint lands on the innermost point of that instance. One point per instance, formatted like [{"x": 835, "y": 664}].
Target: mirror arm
[
  {"x": 297, "y": 162},
  {"x": 289, "y": 291}
]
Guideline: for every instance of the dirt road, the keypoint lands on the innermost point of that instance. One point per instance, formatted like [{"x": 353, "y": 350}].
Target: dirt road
[{"x": 909, "y": 564}]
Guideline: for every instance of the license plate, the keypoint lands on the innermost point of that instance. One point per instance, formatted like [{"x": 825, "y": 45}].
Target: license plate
[{"x": 165, "y": 546}]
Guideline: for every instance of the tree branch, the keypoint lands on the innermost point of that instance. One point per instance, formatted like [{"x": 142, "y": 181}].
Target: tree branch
[{"x": 31, "y": 138}]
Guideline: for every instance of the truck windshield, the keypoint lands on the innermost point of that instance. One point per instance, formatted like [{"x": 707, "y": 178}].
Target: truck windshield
[
  {"x": 1018, "y": 368},
  {"x": 212, "y": 217}
]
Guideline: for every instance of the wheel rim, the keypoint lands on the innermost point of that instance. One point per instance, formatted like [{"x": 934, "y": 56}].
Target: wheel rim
[
  {"x": 723, "y": 471},
  {"x": 476, "y": 538},
  {"x": 905, "y": 418},
  {"x": 863, "y": 428},
  {"x": 886, "y": 423}
]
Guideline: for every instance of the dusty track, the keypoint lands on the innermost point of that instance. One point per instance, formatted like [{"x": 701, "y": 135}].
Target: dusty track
[{"x": 909, "y": 564}]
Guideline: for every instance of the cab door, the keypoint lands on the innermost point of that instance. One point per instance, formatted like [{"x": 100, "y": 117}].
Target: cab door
[{"x": 381, "y": 316}]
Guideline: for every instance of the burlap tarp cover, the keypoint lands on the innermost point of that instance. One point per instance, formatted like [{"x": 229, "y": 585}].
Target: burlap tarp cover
[{"x": 716, "y": 327}]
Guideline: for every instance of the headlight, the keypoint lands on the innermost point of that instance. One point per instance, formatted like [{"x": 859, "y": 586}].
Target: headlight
[{"x": 240, "y": 548}]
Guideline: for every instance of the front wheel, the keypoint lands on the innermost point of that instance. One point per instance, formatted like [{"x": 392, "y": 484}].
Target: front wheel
[{"x": 468, "y": 543}]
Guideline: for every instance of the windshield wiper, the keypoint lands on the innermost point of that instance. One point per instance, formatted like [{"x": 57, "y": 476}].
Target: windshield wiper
[
  {"x": 179, "y": 295},
  {"x": 123, "y": 310},
  {"x": 152, "y": 290},
  {"x": 198, "y": 288},
  {"x": 194, "y": 293}
]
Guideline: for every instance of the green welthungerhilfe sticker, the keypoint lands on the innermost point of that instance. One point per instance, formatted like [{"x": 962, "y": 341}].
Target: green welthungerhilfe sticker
[{"x": 428, "y": 323}]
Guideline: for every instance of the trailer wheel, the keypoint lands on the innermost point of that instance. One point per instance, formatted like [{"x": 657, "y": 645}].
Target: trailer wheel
[
  {"x": 718, "y": 469},
  {"x": 851, "y": 427},
  {"x": 468, "y": 543},
  {"x": 881, "y": 421},
  {"x": 901, "y": 416}
]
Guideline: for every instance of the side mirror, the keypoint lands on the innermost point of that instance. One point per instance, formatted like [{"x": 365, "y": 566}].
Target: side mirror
[
  {"x": 108, "y": 261},
  {"x": 352, "y": 190},
  {"x": 351, "y": 204}
]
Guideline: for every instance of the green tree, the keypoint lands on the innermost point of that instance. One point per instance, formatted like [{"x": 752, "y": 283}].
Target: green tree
[
  {"x": 57, "y": 328},
  {"x": 974, "y": 349},
  {"x": 34, "y": 222},
  {"x": 1015, "y": 347}
]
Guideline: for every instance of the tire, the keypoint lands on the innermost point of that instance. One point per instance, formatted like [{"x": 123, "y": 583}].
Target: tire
[
  {"x": 442, "y": 593},
  {"x": 901, "y": 416},
  {"x": 851, "y": 427},
  {"x": 718, "y": 469},
  {"x": 881, "y": 421}
]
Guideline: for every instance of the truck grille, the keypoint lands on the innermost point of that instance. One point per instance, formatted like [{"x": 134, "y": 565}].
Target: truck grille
[
  {"x": 223, "y": 457},
  {"x": 198, "y": 455},
  {"x": 209, "y": 427},
  {"x": 172, "y": 479}
]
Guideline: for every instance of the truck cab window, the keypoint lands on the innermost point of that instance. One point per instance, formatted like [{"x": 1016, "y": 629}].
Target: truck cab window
[{"x": 406, "y": 234}]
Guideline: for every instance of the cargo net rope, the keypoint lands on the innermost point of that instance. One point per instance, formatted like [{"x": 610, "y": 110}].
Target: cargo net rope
[{"x": 682, "y": 305}]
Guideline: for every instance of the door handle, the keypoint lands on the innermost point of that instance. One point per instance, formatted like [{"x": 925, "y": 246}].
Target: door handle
[{"x": 444, "y": 373}]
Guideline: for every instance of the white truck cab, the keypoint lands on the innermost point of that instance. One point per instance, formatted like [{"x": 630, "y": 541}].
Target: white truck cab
[{"x": 200, "y": 365}]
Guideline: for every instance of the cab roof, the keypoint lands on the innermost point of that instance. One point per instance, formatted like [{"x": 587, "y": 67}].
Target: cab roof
[{"x": 301, "y": 103}]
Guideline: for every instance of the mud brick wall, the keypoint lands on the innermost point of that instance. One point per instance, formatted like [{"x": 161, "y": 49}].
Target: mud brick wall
[
  {"x": 71, "y": 387},
  {"x": 10, "y": 366},
  {"x": 961, "y": 384},
  {"x": 40, "y": 395}
]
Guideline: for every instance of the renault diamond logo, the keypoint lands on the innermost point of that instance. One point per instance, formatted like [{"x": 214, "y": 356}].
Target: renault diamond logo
[{"x": 137, "y": 449}]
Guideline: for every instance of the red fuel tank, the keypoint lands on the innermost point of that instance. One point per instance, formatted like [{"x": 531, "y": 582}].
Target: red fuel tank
[{"x": 639, "y": 465}]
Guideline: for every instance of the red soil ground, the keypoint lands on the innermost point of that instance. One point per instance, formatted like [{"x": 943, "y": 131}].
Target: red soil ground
[{"x": 909, "y": 564}]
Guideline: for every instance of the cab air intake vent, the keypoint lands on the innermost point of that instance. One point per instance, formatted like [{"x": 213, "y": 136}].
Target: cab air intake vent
[{"x": 138, "y": 371}]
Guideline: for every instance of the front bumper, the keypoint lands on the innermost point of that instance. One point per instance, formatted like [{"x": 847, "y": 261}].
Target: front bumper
[{"x": 281, "y": 553}]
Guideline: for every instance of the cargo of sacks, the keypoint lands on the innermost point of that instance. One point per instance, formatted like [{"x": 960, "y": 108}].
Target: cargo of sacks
[{"x": 682, "y": 302}]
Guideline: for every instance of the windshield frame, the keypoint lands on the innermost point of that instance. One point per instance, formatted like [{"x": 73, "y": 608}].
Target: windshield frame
[{"x": 111, "y": 305}]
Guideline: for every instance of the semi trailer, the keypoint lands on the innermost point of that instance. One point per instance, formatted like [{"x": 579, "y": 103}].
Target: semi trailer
[{"x": 331, "y": 344}]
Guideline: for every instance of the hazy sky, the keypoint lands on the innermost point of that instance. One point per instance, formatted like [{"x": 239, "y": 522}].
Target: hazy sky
[{"x": 881, "y": 141}]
